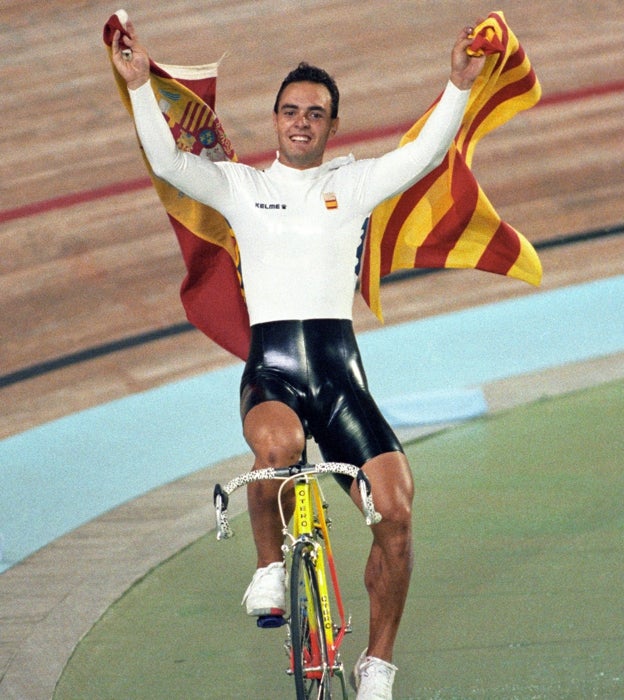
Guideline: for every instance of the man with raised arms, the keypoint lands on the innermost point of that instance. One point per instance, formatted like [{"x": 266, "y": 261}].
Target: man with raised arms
[{"x": 298, "y": 225}]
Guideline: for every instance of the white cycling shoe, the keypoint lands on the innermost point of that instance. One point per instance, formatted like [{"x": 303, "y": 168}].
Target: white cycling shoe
[
  {"x": 373, "y": 678},
  {"x": 266, "y": 594}
]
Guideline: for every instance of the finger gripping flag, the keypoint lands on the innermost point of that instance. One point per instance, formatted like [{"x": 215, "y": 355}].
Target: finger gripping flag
[{"x": 445, "y": 220}]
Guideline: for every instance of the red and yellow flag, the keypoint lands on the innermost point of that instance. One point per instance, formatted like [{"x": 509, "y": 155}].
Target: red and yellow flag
[
  {"x": 211, "y": 292},
  {"x": 445, "y": 220}
]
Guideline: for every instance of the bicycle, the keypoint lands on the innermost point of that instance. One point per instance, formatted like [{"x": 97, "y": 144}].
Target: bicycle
[{"x": 314, "y": 637}]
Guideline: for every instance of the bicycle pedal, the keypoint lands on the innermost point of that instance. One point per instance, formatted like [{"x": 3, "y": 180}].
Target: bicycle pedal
[{"x": 267, "y": 622}]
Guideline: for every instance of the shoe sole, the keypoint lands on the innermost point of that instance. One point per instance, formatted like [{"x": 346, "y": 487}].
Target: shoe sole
[{"x": 268, "y": 622}]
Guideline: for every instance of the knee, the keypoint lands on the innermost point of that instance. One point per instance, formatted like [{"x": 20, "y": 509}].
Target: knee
[
  {"x": 275, "y": 434},
  {"x": 392, "y": 552},
  {"x": 396, "y": 525},
  {"x": 393, "y": 492},
  {"x": 394, "y": 532},
  {"x": 401, "y": 520},
  {"x": 274, "y": 446},
  {"x": 278, "y": 451}
]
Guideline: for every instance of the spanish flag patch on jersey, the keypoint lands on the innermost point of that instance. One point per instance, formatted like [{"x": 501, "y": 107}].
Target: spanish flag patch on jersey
[{"x": 330, "y": 200}]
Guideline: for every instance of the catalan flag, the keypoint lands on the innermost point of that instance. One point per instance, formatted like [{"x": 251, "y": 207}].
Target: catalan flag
[
  {"x": 211, "y": 292},
  {"x": 446, "y": 220}
]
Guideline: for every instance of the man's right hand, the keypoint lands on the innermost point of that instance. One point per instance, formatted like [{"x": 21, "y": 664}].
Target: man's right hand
[
  {"x": 134, "y": 68},
  {"x": 465, "y": 68}
]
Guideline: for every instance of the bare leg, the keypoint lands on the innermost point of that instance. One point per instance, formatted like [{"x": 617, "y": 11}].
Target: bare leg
[
  {"x": 390, "y": 562},
  {"x": 276, "y": 437}
]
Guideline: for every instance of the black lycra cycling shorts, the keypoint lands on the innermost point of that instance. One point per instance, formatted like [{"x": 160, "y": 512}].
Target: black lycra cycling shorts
[{"x": 314, "y": 367}]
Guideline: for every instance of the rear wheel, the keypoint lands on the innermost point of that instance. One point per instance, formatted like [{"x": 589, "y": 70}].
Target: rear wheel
[{"x": 309, "y": 648}]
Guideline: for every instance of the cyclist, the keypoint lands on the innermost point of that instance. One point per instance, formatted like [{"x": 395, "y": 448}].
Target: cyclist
[{"x": 298, "y": 225}]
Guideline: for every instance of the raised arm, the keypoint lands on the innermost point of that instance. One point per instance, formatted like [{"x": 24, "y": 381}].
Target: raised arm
[
  {"x": 442, "y": 125},
  {"x": 398, "y": 170},
  {"x": 197, "y": 177}
]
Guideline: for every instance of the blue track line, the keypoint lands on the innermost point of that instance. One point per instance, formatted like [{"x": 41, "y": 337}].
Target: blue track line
[{"x": 60, "y": 475}]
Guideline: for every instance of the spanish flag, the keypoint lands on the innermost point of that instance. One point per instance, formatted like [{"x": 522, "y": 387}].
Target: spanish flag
[
  {"x": 445, "y": 220},
  {"x": 211, "y": 292}
]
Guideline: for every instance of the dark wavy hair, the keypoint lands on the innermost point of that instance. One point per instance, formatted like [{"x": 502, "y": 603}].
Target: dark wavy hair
[{"x": 305, "y": 73}]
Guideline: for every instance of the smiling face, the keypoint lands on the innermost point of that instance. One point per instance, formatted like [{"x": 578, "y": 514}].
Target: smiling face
[{"x": 303, "y": 124}]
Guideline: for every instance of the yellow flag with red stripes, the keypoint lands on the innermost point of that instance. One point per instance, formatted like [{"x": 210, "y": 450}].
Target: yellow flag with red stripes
[{"x": 445, "y": 220}]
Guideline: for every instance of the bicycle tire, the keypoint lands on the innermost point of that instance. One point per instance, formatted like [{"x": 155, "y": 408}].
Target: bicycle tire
[{"x": 309, "y": 685}]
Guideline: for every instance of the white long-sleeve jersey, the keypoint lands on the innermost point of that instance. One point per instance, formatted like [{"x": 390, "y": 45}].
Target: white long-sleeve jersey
[{"x": 298, "y": 231}]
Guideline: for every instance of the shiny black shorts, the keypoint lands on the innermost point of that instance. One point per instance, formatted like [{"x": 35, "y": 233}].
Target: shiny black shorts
[{"x": 314, "y": 367}]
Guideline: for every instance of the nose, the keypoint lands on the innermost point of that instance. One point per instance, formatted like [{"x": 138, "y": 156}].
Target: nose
[{"x": 302, "y": 120}]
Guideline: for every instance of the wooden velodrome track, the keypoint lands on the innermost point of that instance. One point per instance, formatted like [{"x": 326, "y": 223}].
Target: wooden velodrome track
[
  {"x": 87, "y": 254},
  {"x": 88, "y": 258}
]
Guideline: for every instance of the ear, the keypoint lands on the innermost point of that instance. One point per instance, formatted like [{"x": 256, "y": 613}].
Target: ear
[
  {"x": 334, "y": 127},
  {"x": 274, "y": 121}
]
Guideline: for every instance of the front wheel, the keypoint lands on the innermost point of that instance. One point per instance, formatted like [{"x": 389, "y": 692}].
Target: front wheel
[{"x": 310, "y": 662}]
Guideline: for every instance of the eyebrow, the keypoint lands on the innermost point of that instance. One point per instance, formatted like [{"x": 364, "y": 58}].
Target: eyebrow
[{"x": 312, "y": 108}]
